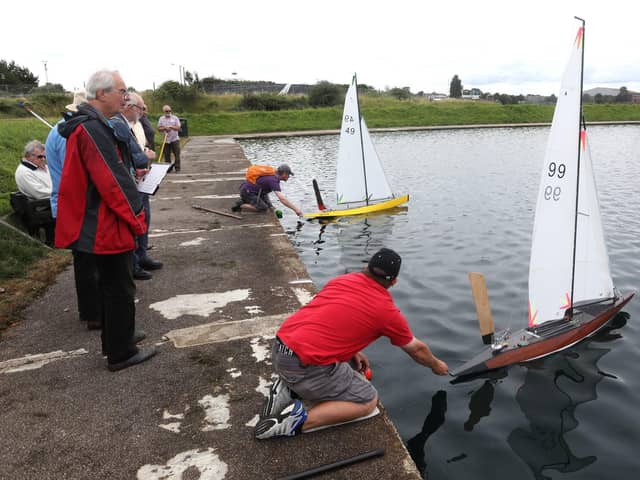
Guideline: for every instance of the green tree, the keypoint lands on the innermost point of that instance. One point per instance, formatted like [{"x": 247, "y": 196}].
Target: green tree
[
  {"x": 455, "y": 87},
  {"x": 623, "y": 96},
  {"x": 400, "y": 93},
  {"x": 325, "y": 94},
  {"x": 180, "y": 96},
  {"x": 12, "y": 74}
]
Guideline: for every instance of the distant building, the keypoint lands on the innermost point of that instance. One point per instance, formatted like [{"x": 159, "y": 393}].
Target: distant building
[
  {"x": 472, "y": 94},
  {"x": 435, "y": 96},
  {"x": 536, "y": 99}
]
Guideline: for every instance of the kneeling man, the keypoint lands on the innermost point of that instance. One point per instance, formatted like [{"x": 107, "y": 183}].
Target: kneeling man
[{"x": 317, "y": 353}]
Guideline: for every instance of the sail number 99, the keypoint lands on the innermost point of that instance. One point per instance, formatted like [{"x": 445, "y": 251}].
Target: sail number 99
[
  {"x": 550, "y": 192},
  {"x": 558, "y": 170}
]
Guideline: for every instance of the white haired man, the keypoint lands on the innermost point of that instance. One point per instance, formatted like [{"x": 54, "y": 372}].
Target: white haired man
[{"x": 100, "y": 211}]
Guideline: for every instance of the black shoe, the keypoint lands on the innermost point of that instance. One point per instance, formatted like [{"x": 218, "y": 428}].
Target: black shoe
[
  {"x": 142, "y": 355},
  {"x": 139, "y": 336},
  {"x": 236, "y": 207},
  {"x": 150, "y": 264},
  {"x": 142, "y": 275}
]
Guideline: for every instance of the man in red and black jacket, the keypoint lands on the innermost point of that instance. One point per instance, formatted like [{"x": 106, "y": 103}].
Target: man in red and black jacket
[{"x": 100, "y": 211}]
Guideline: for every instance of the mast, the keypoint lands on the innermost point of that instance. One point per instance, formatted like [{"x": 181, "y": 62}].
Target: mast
[
  {"x": 364, "y": 165},
  {"x": 582, "y": 125}
]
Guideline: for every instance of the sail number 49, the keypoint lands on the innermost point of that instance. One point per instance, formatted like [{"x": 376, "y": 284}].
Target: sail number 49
[
  {"x": 554, "y": 171},
  {"x": 349, "y": 130}
]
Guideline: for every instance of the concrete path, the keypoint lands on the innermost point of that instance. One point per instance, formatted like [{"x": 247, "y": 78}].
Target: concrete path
[{"x": 189, "y": 412}]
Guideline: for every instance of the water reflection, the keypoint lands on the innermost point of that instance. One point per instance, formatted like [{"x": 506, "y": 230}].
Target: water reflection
[
  {"x": 568, "y": 380},
  {"x": 435, "y": 419}
]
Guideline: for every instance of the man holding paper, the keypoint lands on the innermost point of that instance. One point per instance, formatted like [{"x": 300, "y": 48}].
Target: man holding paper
[{"x": 129, "y": 129}]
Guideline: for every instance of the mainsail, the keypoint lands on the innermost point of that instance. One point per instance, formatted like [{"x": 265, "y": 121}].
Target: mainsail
[
  {"x": 360, "y": 177},
  {"x": 551, "y": 270}
]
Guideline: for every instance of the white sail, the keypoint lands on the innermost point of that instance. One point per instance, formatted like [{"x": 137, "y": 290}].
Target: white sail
[
  {"x": 593, "y": 277},
  {"x": 377, "y": 186},
  {"x": 358, "y": 176},
  {"x": 551, "y": 264}
]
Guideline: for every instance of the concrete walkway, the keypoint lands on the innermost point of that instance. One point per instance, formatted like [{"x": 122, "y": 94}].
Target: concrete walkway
[{"x": 189, "y": 412}]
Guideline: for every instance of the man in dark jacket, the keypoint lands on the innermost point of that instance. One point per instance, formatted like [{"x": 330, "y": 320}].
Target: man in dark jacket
[{"x": 100, "y": 211}]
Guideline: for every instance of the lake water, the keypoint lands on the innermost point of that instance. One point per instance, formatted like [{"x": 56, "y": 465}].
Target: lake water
[{"x": 473, "y": 192}]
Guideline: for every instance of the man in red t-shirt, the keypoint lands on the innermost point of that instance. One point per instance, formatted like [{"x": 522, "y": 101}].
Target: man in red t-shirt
[{"x": 318, "y": 351}]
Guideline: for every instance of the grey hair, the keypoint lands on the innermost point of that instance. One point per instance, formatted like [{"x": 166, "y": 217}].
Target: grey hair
[
  {"x": 101, "y": 80},
  {"x": 31, "y": 146},
  {"x": 135, "y": 99}
]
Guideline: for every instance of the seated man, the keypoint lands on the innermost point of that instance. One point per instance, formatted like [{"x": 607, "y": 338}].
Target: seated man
[
  {"x": 34, "y": 182},
  {"x": 260, "y": 181},
  {"x": 32, "y": 175},
  {"x": 319, "y": 348}
]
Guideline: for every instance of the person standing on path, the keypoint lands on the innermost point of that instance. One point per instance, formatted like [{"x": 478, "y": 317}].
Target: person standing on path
[
  {"x": 100, "y": 211},
  {"x": 129, "y": 129},
  {"x": 169, "y": 125}
]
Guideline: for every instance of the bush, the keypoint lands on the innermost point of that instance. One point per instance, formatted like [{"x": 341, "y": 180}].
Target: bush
[
  {"x": 325, "y": 94},
  {"x": 180, "y": 97}
]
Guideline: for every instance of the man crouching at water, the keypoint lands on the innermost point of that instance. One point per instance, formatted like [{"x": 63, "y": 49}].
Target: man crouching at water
[{"x": 318, "y": 350}]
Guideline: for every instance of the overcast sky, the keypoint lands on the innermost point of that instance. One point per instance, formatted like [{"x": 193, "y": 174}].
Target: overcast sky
[{"x": 506, "y": 46}]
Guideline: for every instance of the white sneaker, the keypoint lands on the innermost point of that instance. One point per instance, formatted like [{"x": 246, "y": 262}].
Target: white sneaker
[
  {"x": 285, "y": 424},
  {"x": 279, "y": 397}
]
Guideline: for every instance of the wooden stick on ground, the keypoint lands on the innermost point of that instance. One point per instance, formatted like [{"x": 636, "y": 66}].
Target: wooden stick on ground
[{"x": 198, "y": 207}]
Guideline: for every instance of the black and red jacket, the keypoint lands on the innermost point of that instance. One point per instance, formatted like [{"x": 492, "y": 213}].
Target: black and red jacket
[{"x": 99, "y": 207}]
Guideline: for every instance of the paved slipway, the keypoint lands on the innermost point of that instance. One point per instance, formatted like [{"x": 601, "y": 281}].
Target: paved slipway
[{"x": 189, "y": 412}]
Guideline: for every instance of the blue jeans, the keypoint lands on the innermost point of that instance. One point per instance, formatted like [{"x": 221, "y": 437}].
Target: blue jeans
[{"x": 140, "y": 252}]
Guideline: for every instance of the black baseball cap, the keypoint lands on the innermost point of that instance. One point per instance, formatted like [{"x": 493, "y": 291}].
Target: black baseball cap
[
  {"x": 284, "y": 168},
  {"x": 385, "y": 264}
]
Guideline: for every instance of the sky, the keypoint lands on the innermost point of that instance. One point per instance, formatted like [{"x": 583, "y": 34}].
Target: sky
[{"x": 513, "y": 47}]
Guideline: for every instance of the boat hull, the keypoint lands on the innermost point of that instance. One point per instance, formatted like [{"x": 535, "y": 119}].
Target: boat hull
[
  {"x": 394, "y": 202},
  {"x": 527, "y": 344}
]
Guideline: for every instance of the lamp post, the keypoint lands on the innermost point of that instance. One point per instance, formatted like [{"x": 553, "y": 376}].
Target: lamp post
[{"x": 46, "y": 73}]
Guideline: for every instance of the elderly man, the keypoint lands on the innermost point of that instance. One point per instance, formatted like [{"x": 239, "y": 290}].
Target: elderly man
[
  {"x": 318, "y": 351},
  {"x": 169, "y": 125},
  {"x": 260, "y": 181},
  {"x": 32, "y": 175},
  {"x": 129, "y": 129},
  {"x": 100, "y": 211}
]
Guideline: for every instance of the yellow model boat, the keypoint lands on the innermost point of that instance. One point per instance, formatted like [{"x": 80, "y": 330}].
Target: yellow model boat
[
  {"x": 377, "y": 207},
  {"x": 360, "y": 178}
]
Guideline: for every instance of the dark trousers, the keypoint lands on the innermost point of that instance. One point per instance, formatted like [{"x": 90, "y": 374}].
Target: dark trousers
[
  {"x": 118, "y": 295},
  {"x": 87, "y": 290},
  {"x": 175, "y": 148},
  {"x": 143, "y": 240}
]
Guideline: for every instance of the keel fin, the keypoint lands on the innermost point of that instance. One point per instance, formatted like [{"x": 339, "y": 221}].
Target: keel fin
[
  {"x": 316, "y": 190},
  {"x": 483, "y": 309}
]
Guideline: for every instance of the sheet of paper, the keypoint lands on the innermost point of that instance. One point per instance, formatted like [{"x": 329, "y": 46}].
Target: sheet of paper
[{"x": 150, "y": 182}]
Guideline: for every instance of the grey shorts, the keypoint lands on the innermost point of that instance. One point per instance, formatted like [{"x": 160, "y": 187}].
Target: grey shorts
[{"x": 321, "y": 383}]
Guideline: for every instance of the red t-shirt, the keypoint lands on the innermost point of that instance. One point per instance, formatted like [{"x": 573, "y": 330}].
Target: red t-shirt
[{"x": 349, "y": 313}]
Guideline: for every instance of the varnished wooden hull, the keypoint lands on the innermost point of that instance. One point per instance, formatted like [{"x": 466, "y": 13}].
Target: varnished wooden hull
[
  {"x": 527, "y": 344},
  {"x": 394, "y": 202}
]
